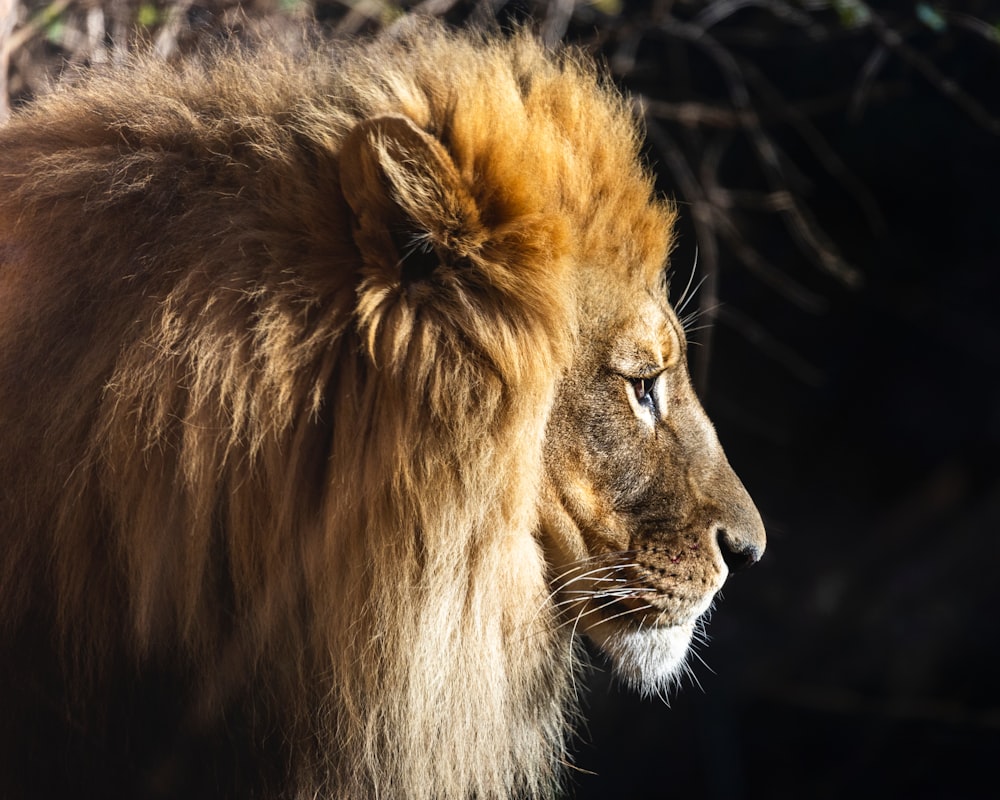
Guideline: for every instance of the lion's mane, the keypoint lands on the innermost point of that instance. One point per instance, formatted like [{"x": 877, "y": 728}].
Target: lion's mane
[{"x": 263, "y": 481}]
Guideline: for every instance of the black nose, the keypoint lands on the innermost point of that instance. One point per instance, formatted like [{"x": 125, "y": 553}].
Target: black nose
[{"x": 736, "y": 552}]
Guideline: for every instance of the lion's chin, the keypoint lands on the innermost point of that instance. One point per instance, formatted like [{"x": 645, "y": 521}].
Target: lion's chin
[{"x": 647, "y": 660}]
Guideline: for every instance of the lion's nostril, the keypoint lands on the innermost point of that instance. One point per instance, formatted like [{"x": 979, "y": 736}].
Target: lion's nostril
[{"x": 737, "y": 554}]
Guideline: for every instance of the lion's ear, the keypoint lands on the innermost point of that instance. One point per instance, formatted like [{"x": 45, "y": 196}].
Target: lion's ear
[{"x": 411, "y": 210}]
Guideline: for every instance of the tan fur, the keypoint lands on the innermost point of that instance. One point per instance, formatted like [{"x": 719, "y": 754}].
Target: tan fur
[{"x": 281, "y": 342}]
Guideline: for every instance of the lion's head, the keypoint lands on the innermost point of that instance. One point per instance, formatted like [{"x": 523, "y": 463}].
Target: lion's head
[
  {"x": 642, "y": 516},
  {"x": 339, "y": 391}
]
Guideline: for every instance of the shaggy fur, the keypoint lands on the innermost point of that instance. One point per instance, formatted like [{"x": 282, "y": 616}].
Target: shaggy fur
[{"x": 279, "y": 341}]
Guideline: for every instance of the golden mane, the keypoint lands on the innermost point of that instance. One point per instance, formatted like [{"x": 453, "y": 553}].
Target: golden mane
[{"x": 241, "y": 449}]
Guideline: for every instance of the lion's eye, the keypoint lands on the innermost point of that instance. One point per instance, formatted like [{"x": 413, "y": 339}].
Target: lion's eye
[
  {"x": 646, "y": 396},
  {"x": 643, "y": 388}
]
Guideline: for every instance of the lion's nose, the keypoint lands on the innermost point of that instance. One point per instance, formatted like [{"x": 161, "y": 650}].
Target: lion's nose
[{"x": 741, "y": 549}]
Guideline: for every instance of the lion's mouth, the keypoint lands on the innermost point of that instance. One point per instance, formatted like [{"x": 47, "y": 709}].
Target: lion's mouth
[
  {"x": 598, "y": 610},
  {"x": 649, "y": 659},
  {"x": 648, "y": 609},
  {"x": 642, "y": 620}
]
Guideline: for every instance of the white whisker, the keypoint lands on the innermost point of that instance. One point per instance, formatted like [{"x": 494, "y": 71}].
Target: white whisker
[
  {"x": 704, "y": 663},
  {"x": 694, "y": 678},
  {"x": 628, "y": 612},
  {"x": 595, "y": 610},
  {"x": 684, "y": 299},
  {"x": 561, "y": 587},
  {"x": 689, "y": 319},
  {"x": 623, "y": 591}
]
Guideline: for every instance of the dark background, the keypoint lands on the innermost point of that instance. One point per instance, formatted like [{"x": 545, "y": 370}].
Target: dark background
[
  {"x": 852, "y": 367},
  {"x": 860, "y": 656}
]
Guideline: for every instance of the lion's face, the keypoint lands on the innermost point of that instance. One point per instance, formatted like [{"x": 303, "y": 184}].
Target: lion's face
[{"x": 642, "y": 516}]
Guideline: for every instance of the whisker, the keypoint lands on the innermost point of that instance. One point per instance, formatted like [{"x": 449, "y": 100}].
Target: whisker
[
  {"x": 589, "y": 576},
  {"x": 622, "y": 591},
  {"x": 684, "y": 299},
  {"x": 595, "y": 610},
  {"x": 586, "y": 562},
  {"x": 607, "y": 587},
  {"x": 603, "y": 573},
  {"x": 606, "y": 572},
  {"x": 695, "y": 315},
  {"x": 704, "y": 663},
  {"x": 603, "y": 606},
  {"x": 576, "y": 622},
  {"x": 597, "y": 571},
  {"x": 604, "y": 599},
  {"x": 694, "y": 678},
  {"x": 628, "y": 611},
  {"x": 623, "y": 588}
]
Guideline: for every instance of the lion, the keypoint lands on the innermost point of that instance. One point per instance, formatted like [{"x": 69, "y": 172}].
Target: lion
[{"x": 340, "y": 394}]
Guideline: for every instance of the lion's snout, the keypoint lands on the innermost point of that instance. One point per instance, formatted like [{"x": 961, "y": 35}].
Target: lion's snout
[
  {"x": 739, "y": 533},
  {"x": 737, "y": 550}
]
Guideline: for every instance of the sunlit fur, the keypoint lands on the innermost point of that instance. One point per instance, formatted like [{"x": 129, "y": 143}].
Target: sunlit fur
[{"x": 240, "y": 450}]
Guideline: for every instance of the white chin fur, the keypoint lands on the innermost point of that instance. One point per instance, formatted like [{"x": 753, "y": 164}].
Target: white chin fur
[{"x": 648, "y": 660}]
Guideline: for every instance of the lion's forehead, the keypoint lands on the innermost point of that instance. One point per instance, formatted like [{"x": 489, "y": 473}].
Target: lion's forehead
[{"x": 641, "y": 335}]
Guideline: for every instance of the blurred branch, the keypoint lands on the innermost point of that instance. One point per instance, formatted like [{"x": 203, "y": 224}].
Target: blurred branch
[
  {"x": 983, "y": 29},
  {"x": 798, "y": 221},
  {"x": 892, "y": 40},
  {"x": 36, "y": 25},
  {"x": 716, "y": 12},
  {"x": 365, "y": 12},
  {"x": 557, "y": 19},
  {"x": 165, "y": 43},
  {"x": 834, "y": 165},
  {"x": 710, "y": 206},
  {"x": 8, "y": 19}
]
